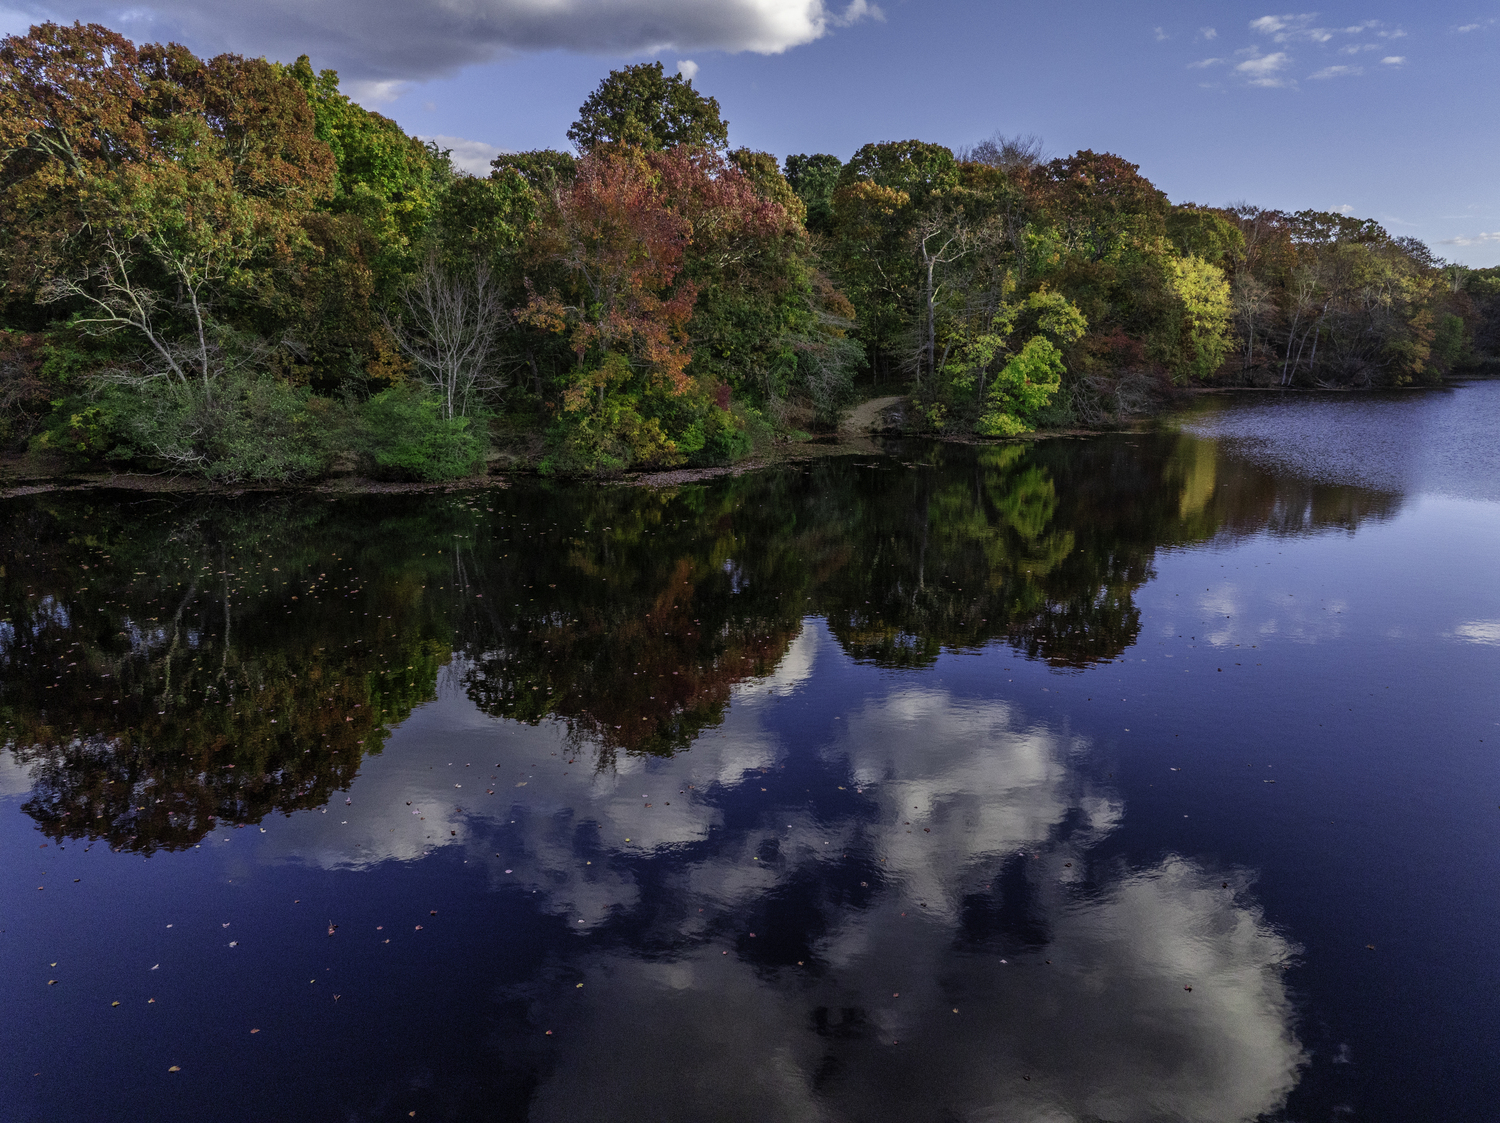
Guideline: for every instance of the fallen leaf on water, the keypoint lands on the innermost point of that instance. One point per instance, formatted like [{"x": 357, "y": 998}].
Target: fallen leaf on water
[
  {"x": 1370, "y": 946},
  {"x": 419, "y": 927},
  {"x": 255, "y": 1031},
  {"x": 175, "y": 1068},
  {"x": 114, "y": 1003}
]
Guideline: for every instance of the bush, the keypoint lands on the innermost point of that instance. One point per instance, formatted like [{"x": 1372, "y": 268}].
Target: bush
[
  {"x": 403, "y": 436},
  {"x": 241, "y": 428}
]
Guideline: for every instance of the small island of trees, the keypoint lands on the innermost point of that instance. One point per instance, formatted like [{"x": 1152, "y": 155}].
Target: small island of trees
[{"x": 228, "y": 268}]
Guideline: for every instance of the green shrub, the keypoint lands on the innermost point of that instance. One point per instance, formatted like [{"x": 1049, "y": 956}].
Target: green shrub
[
  {"x": 403, "y": 436},
  {"x": 240, "y": 428}
]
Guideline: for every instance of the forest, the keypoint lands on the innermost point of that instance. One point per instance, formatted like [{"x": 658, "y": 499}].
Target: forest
[{"x": 227, "y": 268}]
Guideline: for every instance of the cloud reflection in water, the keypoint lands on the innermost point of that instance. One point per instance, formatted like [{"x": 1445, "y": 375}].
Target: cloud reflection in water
[{"x": 952, "y": 871}]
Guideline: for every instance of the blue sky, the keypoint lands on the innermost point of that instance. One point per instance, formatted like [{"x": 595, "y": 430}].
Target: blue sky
[{"x": 1388, "y": 110}]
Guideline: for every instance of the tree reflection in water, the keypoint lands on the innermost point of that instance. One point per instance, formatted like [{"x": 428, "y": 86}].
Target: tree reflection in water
[
  {"x": 907, "y": 915},
  {"x": 169, "y": 666}
]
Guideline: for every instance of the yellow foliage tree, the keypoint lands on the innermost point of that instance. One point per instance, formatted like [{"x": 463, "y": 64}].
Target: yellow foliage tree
[{"x": 1206, "y": 312}]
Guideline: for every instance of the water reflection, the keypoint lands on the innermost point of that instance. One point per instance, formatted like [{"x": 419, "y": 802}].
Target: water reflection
[
  {"x": 168, "y": 669},
  {"x": 698, "y": 734},
  {"x": 897, "y": 914},
  {"x": 167, "y": 666}
]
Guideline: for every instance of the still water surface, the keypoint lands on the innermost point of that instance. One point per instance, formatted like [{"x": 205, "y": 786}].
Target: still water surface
[{"x": 1147, "y": 777}]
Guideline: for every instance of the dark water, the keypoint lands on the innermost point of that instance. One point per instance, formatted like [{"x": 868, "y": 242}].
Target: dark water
[{"x": 1139, "y": 778}]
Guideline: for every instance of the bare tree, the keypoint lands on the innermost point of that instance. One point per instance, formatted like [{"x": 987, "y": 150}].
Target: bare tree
[
  {"x": 944, "y": 236},
  {"x": 1251, "y": 299},
  {"x": 452, "y": 324},
  {"x": 1304, "y": 289},
  {"x": 1008, "y": 153},
  {"x": 115, "y": 300}
]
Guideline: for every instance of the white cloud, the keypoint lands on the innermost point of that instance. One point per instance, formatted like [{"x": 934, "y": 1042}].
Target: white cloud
[
  {"x": 856, "y": 11},
  {"x": 1468, "y": 27},
  {"x": 392, "y": 40},
  {"x": 1291, "y": 29},
  {"x": 370, "y": 94},
  {"x": 1208, "y": 33},
  {"x": 1393, "y": 60},
  {"x": 472, "y": 156},
  {"x": 1263, "y": 71},
  {"x": 1269, "y": 25},
  {"x": 687, "y": 68},
  {"x": 1472, "y": 239},
  {"x": 1205, "y": 63},
  {"x": 1338, "y": 72},
  {"x": 1160, "y": 35},
  {"x": 1345, "y": 209}
]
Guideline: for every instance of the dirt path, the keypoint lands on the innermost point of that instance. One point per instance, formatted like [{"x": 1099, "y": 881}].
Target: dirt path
[{"x": 863, "y": 417}]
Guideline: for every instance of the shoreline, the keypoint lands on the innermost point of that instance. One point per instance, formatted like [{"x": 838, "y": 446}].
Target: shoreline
[{"x": 23, "y": 475}]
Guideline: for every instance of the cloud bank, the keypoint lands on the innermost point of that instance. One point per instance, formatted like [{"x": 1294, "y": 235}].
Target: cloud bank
[{"x": 399, "y": 40}]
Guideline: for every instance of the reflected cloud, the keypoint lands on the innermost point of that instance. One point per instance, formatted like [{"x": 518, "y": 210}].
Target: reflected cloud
[
  {"x": 918, "y": 1026},
  {"x": 703, "y": 750},
  {"x": 927, "y": 931},
  {"x": 965, "y": 958},
  {"x": 1479, "y": 631},
  {"x": 15, "y": 777}
]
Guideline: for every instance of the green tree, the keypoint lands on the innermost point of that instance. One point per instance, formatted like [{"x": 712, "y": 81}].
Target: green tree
[
  {"x": 643, "y": 107},
  {"x": 814, "y": 179},
  {"x": 543, "y": 169},
  {"x": 1028, "y": 375},
  {"x": 1206, "y": 314}
]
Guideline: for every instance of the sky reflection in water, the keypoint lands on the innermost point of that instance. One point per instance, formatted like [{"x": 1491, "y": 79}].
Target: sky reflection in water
[{"x": 910, "y": 788}]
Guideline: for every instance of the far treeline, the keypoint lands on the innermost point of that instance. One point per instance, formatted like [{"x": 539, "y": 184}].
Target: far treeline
[{"x": 227, "y": 267}]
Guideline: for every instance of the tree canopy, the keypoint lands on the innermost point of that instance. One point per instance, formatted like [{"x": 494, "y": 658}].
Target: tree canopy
[
  {"x": 644, "y": 107},
  {"x": 227, "y": 266}
]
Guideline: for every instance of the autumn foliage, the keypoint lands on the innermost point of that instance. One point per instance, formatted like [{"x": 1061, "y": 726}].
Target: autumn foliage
[{"x": 225, "y": 266}]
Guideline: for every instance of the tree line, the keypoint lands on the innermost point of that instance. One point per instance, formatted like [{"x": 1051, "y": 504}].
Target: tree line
[{"x": 228, "y": 267}]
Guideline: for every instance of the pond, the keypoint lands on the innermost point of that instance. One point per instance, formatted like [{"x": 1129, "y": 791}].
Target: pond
[{"x": 1140, "y": 777}]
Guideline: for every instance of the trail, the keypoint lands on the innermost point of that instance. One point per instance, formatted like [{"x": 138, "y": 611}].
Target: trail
[{"x": 863, "y": 417}]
